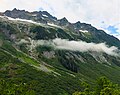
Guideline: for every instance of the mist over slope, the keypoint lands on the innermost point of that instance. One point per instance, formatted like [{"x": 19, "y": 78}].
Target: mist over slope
[
  {"x": 80, "y": 46},
  {"x": 84, "y": 46}
]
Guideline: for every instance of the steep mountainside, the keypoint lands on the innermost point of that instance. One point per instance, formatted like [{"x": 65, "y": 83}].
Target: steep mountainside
[
  {"x": 93, "y": 35},
  {"x": 54, "y": 55}
]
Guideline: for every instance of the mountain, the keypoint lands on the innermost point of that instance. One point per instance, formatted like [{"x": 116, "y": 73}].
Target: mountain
[
  {"x": 95, "y": 35},
  {"x": 41, "y": 16},
  {"x": 54, "y": 55}
]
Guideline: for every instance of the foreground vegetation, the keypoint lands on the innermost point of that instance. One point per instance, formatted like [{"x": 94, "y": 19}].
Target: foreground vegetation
[
  {"x": 103, "y": 87},
  {"x": 12, "y": 88}
]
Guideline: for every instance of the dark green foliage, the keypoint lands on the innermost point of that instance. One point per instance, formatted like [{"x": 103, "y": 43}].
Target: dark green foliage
[
  {"x": 44, "y": 48},
  {"x": 13, "y": 88},
  {"x": 68, "y": 63},
  {"x": 63, "y": 34},
  {"x": 7, "y": 27},
  {"x": 13, "y": 70},
  {"x": 103, "y": 87},
  {"x": 100, "y": 36},
  {"x": 49, "y": 33},
  {"x": 43, "y": 33}
]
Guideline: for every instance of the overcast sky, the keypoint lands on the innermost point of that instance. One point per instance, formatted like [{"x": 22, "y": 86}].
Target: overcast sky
[{"x": 103, "y": 14}]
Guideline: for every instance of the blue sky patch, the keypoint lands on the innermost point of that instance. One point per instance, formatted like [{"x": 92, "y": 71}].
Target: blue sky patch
[{"x": 112, "y": 29}]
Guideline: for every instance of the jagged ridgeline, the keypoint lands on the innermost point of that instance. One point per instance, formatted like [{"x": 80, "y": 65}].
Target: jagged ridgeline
[{"x": 52, "y": 56}]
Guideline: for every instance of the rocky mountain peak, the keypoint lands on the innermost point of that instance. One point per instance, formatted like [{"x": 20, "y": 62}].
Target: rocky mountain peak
[
  {"x": 63, "y": 21},
  {"x": 77, "y": 24},
  {"x": 14, "y": 9},
  {"x": 46, "y": 14}
]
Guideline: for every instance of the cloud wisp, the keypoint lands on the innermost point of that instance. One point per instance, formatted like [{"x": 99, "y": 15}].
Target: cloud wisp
[
  {"x": 80, "y": 46},
  {"x": 84, "y": 47}
]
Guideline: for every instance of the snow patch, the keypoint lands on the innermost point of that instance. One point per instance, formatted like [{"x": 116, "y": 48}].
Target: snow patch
[
  {"x": 54, "y": 25},
  {"x": 23, "y": 20},
  {"x": 44, "y": 15},
  {"x": 84, "y": 31},
  {"x": 18, "y": 19},
  {"x": 34, "y": 15}
]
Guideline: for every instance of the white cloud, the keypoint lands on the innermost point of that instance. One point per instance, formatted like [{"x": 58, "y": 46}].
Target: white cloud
[
  {"x": 83, "y": 46},
  {"x": 90, "y": 11},
  {"x": 80, "y": 46}
]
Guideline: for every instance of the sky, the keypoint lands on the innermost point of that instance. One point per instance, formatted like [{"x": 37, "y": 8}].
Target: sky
[{"x": 103, "y": 14}]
